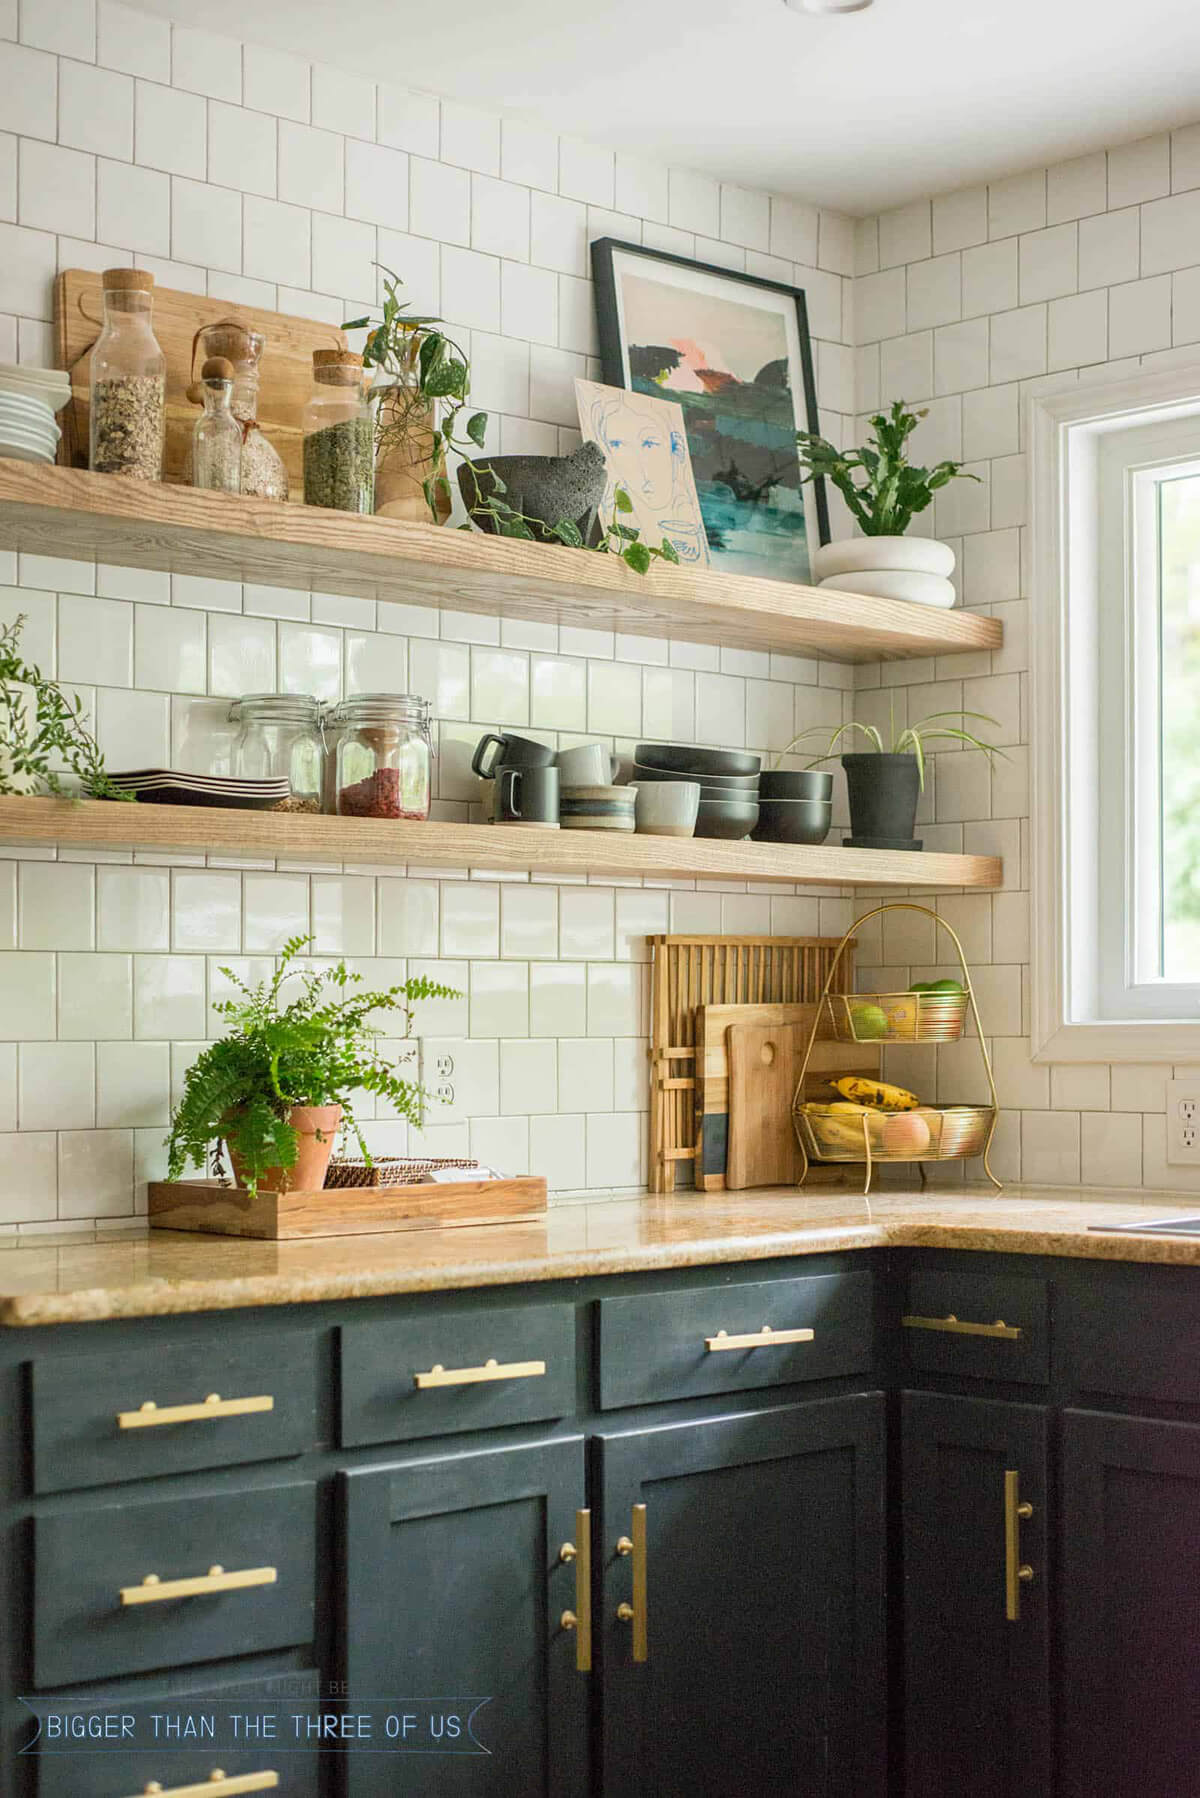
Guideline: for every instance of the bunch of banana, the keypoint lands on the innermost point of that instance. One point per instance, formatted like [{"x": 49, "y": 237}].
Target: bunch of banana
[
  {"x": 875, "y": 1095},
  {"x": 838, "y": 1128}
]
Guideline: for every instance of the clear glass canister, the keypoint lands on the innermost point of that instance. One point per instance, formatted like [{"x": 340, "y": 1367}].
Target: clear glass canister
[
  {"x": 128, "y": 374},
  {"x": 263, "y": 471},
  {"x": 384, "y": 756},
  {"x": 279, "y": 737},
  {"x": 339, "y": 435},
  {"x": 217, "y": 435}
]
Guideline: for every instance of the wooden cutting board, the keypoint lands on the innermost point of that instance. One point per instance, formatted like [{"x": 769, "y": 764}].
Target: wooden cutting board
[{"x": 762, "y": 1080}]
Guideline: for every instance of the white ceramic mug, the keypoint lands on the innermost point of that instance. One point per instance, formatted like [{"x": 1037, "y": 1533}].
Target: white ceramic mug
[
  {"x": 668, "y": 808},
  {"x": 587, "y": 765}
]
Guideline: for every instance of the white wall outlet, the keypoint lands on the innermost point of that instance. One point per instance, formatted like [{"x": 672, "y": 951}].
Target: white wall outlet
[{"x": 1183, "y": 1123}]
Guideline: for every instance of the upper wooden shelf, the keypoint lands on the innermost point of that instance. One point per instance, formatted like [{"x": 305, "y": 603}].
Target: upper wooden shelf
[
  {"x": 183, "y": 530},
  {"x": 195, "y": 830}
]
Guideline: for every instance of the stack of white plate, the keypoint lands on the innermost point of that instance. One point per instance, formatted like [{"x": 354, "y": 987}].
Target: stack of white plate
[{"x": 29, "y": 398}]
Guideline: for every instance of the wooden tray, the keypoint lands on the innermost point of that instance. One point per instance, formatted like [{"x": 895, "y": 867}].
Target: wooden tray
[
  {"x": 285, "y": 373},
  {"x": 217, "y": 1210}
]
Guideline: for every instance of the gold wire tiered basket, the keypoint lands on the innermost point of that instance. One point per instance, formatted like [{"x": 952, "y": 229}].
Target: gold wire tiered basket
[{"x": 927, "y": 1133}]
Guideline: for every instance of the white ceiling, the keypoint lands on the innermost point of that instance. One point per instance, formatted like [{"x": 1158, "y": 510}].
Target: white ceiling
[{"x": 860, "y": 111}]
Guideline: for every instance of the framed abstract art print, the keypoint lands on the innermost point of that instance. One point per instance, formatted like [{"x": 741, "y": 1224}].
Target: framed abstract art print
[{"x": 733, "y": 352}]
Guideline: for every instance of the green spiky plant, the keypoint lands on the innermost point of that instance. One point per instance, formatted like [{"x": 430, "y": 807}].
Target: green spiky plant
[
  {"x": 893, "y": 490},
  {"x": 318, "y": 1047},
  {"x": 54, "y": 741},
  {"x": 909, "y": 741}
]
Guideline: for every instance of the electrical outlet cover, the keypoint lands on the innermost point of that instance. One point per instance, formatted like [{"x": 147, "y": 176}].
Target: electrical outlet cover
[{"x": 1183, "y": 1123}]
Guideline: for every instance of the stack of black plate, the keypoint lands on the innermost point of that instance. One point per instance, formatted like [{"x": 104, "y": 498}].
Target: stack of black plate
[
  {"x": 163, "y": 786},
  {"x": 728, "y": 780}
]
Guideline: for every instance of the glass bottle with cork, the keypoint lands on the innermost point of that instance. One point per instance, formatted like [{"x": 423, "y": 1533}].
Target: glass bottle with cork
[
  {"x": 339, "y": 435},
  {"x": 263, "y": 471},
  {"x": 128, "y": 375},
  {"x": 217, "y": 436}
]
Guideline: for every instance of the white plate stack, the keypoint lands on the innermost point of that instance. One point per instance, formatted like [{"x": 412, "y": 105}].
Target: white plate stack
[{"x": 29, "y": 398}]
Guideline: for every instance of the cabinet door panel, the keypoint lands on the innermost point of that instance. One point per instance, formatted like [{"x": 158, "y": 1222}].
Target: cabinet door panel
[
  {"x": 977, "y": 1693},
  {"x": 453, "y": 1590},
  {"x": 1131, "y": 1618},
  {"x": 765, "y": 1668}
]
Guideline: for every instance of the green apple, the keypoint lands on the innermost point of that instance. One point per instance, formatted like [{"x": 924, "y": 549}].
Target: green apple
[{"x": 868, "y": 1021}]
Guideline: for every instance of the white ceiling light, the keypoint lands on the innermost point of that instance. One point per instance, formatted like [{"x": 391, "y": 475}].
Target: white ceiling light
[{"x": 820, "y": 6}]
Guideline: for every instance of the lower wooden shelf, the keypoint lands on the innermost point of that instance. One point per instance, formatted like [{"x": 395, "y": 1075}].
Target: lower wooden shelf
[{"x": 301, "y": 837}]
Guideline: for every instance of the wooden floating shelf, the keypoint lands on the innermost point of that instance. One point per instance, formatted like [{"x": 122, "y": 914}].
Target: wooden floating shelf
[
  {"x": 201, "y": 830},
  {"x": 183, "y": 530}
]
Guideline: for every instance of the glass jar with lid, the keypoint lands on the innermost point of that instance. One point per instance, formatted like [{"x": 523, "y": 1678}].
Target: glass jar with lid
[
  {"x": 279, "y": 738},
  {"x": 339, "y": 435},
  {"x": 128, "y": 375},
  {"x": 263, "y": 472},
  {"x": 384, "y": 756}
]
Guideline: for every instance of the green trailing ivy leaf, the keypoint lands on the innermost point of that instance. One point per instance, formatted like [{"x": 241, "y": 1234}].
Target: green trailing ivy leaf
[
  {"x": 622, "y": 500},
  {"x": 318, "y": 1045},
  {"x": 637, "y": 557},
  {"x": 894, "y": 490},
  {"x": 477, "y": 428}
]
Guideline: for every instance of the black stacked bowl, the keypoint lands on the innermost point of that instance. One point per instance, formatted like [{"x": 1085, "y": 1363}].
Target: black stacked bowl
[
  {"x": 728, "y": 781},
  {"x": 795, "y": 806}
]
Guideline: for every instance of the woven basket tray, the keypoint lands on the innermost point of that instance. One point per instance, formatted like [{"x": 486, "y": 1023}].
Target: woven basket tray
[{"x": 393, "y": 1171}]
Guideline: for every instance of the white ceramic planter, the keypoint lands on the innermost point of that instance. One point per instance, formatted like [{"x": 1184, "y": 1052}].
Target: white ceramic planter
[
  {"x": 921, "y": 589},
  {"x": 906, "y": 555},
  {"x": 20, "y": 725}
]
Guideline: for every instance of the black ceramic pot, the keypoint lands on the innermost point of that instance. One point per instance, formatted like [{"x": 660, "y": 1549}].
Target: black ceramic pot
[
  {"x": 883, "y": 791},
  {"x": 546, "y": 490}
]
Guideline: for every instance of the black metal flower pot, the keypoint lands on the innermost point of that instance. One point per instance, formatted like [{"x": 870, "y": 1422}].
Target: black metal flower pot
[{"x": 883, "y": 792}]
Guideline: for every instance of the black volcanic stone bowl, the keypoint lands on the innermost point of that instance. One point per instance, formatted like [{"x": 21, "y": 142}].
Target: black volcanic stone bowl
[{"x": 545, "y": 489}]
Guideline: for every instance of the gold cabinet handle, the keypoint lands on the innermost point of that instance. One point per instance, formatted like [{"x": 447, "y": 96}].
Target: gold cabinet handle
[
  {"x": 151, "y": 1416},
  {"x": 218, "y": 1785},
  {"x": 154, "y": 1590},
  {"x": 635, "y": 1547},
  {"x": 475, "y": 1376},
  {"x": 764, "y": 1338},
  {"x": 1009, "y": 1332},
  {"x": 580, "y": 1619},
  {"x": 1016, "y": 1571}
]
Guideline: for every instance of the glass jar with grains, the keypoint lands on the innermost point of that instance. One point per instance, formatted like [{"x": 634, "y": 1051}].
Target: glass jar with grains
[
  {"x": 263, "y": 472},
  {"x": 339, "y": 435},
  {"x": 384, "y": 756},
  {"x": 217, "y": 435},
  {"x": 279, "y": 737},
  {"x": 128, "y": 373}
]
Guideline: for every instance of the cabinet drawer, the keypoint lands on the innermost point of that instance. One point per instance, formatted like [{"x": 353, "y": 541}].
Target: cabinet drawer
[
  {"x": 1132, "y": 1345},
  {"x": 950, "y": 1323},
  {"x": 118, "y": 1758},
  {"x": 669, "y": 1345},
  {"x": 87, "y": 1557},
  {"x": 429, "y": 1376},
  {"x": 105, "y": 1417}
]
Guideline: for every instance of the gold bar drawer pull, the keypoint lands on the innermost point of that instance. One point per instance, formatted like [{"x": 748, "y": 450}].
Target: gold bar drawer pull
[
  {"x": 218, "y": 1785},
  {"x": 580, "y": 1619},
  {"x": 154, "y": 1590},
  {"x": 636, "y": 1614},
  {"x": 475, "y": 1376},
  {"x": 1009, "y": 1332},
  {"x": 151, "y": 1416},
  {"x": 764, "y": 1338}
]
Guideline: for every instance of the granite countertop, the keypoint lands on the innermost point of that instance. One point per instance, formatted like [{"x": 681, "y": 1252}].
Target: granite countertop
[{"x": 170, "y": 1272}]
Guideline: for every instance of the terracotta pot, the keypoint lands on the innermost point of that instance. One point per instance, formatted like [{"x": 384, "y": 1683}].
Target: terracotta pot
[
  {"x": 403, "y": 465},
  {"x": 317, "y": 1127}
]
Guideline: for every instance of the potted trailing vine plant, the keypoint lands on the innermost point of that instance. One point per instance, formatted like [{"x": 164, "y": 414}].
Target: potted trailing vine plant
[
  {"x": 884, "y": 492},
  {"x": 884, "y": 785},
  {"x": 422, "y": 379},
  {"x": 278, "y": 1087},
  {"x": 44, "y": 738}
]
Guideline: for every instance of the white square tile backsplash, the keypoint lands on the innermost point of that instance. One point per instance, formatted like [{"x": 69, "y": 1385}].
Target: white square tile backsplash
[{"x": 271, "y": 181}]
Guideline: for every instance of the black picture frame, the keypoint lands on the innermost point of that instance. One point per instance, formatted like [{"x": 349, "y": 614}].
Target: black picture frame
[{"x": 612, "y": 351}]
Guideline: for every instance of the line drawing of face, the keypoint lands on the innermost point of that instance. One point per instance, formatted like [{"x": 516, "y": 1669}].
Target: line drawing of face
[{"x": 625, "y": 428}]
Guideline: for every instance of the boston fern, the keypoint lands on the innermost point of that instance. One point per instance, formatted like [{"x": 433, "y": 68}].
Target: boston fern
[
  {"x": 894, "y": 490},
  {"x": 316, "y": 1048}
]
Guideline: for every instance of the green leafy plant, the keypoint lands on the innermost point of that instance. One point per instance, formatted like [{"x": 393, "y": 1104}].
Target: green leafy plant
[
  {"x": 623, "y": 540},
  {"x": 55, "y": 741},
  {"x": 428, "y": 381},
  {"x": 893, "y": 490},
  {"x": 316, "y": 1048},
  {"x": 909, "y": 741}
]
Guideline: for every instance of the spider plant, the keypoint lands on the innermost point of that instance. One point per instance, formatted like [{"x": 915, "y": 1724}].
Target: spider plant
[{"x": 909, "y": 741}]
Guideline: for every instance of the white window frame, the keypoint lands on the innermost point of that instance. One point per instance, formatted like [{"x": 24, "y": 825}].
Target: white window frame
[{"x": 1081, "y": 897}]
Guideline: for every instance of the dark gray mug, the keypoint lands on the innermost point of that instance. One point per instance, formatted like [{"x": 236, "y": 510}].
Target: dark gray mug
[
  {"x": 511, "y": 752},
  {"x": 527, "y": 796}
]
